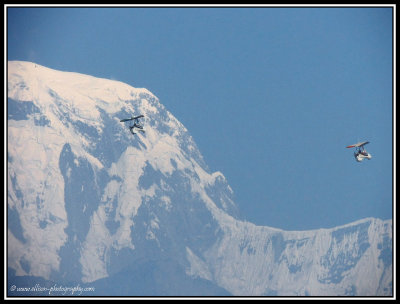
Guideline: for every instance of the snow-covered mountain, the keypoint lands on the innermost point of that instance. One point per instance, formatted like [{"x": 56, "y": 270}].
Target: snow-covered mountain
[{"x": 91, "y": 204}]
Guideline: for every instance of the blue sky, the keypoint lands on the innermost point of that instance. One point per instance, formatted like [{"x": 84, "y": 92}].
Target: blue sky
[{"x": 272, "y": 96}]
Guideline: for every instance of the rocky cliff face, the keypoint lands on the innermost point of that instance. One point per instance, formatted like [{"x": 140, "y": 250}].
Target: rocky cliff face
[{"x": 90, "y": 203}]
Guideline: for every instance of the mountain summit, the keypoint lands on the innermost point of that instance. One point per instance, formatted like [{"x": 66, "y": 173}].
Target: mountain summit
[{"x": 89, "y": 203}]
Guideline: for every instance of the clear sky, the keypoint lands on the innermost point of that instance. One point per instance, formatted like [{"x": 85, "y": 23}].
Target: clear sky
[{"x": 272, "y": 96}]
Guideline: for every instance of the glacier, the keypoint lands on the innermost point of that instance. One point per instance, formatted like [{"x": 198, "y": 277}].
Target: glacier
[{"x": 143, "y": 215}]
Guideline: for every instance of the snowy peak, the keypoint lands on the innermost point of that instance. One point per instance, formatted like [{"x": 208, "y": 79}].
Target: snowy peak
[
  {"x": 77, "y": 107},
  {"x": 28, "y": 81},
  {"x": 89, "y": 202},
  {"x": 85, "y": 177}
]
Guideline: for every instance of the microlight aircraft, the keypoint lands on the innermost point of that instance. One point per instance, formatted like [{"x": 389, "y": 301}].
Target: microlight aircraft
[
  {"x": 360, "y": 154},
  {"x": 136, "y": 126}
]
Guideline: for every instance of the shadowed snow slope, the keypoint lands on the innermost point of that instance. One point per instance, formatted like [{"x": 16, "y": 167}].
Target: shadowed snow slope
[{"x": 91, "y": 204}]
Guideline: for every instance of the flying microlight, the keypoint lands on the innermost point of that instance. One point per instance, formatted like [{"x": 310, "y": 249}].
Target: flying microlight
[
  {"x": 360, "y": 154},
  {"x": 136, "y": 126}
]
